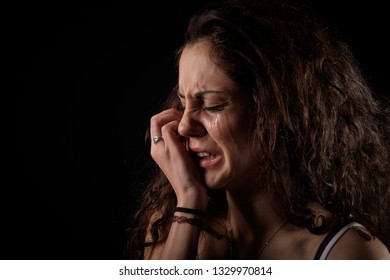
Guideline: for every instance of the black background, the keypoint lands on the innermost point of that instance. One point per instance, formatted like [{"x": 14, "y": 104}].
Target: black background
[{"x": 87, "y": 77}]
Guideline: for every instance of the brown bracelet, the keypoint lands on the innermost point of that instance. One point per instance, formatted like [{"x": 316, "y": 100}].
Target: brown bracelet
[{"x": 184, "y": 220}]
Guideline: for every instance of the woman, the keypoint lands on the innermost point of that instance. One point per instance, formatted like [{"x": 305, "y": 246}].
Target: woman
[{"x": 272, "y": 146}]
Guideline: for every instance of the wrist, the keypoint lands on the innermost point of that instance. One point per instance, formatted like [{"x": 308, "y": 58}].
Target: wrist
[
  {"x": 190, "y": 212},
  {"x": 193, "y": 201}
]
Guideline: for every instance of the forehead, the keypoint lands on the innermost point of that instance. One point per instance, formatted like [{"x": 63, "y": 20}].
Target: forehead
[
  {"x": 197, "y": 54},
  {"x": 199, "y": 71}
]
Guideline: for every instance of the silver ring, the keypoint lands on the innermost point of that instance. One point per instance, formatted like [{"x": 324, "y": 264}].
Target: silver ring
[{"x": 157, "y": 139}]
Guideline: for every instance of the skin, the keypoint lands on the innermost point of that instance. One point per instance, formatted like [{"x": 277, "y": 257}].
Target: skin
[
  {"x": 218, "y": 154},
  {"x": 214, "y": 123}
]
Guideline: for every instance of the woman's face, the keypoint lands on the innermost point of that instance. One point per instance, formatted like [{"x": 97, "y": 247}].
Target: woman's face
[{"x": 215, "y": 120}]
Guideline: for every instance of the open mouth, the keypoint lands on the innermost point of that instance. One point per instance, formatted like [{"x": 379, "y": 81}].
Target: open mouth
[{"x": 206, "y": 159}]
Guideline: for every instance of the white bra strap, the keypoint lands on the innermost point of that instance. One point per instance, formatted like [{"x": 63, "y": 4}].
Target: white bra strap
[{"x": 335, "y": 238}]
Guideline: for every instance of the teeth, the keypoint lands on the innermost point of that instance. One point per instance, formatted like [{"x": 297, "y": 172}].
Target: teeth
[
  {"x": 203, "y": 154},
  {"x": 206, "y": 155}
]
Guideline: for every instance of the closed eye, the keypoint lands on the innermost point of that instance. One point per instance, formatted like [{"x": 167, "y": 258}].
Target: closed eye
[{"x": 215, "y": 108}]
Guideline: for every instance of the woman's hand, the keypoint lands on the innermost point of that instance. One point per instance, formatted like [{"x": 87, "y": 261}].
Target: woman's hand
[{"x": 172, "y": 156}]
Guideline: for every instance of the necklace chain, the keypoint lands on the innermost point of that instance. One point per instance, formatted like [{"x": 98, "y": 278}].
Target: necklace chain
[
  {"x": 271, "y": 238},
  {"x": 230, "y": 238}
]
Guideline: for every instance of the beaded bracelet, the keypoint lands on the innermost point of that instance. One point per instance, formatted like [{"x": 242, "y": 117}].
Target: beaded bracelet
[
  {"x": 185, "y": 220},
  {"x": 197, "y": 212}
]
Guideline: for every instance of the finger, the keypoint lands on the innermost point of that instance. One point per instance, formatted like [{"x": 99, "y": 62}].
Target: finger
[
  {"x": 159, "y": 120},
  {"x": 156, "y": 139},
  {"x": 171, "y": 136}
]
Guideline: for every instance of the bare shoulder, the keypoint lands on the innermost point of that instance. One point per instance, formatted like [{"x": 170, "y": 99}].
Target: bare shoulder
[{"x": 358, "y": 244}]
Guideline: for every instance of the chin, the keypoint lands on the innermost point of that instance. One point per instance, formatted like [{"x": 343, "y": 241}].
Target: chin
[{"x": 213, "y": 184}]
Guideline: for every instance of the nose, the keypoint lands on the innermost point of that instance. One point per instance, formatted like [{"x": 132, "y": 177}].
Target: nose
[{"x": 190, "y": 125}]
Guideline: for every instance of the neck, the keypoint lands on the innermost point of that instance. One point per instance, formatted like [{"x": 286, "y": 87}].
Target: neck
[
  {"x": 253, "y": 217},
  {"x": 259, "y": 208}
]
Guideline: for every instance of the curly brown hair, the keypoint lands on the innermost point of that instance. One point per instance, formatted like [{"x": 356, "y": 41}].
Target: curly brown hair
[{"x": 323, "y": 135}]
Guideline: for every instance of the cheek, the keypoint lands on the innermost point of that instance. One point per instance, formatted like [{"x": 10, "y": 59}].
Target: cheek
[
  {"x": 219, "y": 127},
  {"x": 229, "y": 130}
]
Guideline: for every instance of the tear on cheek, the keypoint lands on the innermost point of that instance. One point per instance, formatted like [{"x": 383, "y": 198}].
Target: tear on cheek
[{"x": 217, "y": 121}]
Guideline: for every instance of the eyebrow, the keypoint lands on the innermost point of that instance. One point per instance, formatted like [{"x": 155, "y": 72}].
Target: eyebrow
[{"x": 200, "y": 94}]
